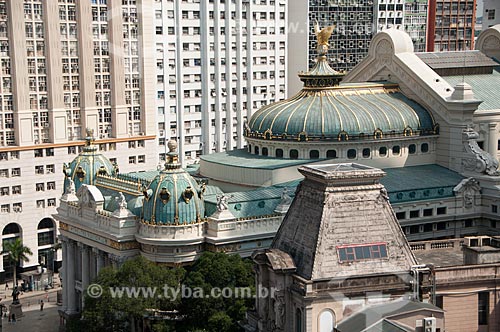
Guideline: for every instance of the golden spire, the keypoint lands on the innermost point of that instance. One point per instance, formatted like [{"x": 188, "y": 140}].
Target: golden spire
[{"x": 323, "y": 36}]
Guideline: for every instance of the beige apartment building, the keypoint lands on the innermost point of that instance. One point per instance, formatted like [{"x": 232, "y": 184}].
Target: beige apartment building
[{"x": 136, "y": 73}]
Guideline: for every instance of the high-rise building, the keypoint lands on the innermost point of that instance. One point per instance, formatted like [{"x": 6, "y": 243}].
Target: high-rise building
[
  {"x": 451, "y": 25},
  {"x": 216, "y": 63},
  {"x": 353, "y": 21},
  {"x": 415, "y": 22},
  {"x": 136, "y": 73},
  {"x": 389, "y": 14},
  {"x": 491, "y": 13}
]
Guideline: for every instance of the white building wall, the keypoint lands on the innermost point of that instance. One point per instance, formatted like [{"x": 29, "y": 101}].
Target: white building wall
[
  {"x": 491, "y": 13},
  {"x": 207, "y": 54}
]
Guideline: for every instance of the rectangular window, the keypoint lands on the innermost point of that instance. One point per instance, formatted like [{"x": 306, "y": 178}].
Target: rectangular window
[
  {"x": 414, "y": 213},
  {"x": 351, "y": 253},
  {"x": 16, "y": 190},
  {"x": 483, "y": 308},
  {"x": 494, "y": 208},
  {"x": 439, "y": 301},
  {"x": 441, "y": 210},
  {"x": 51, "y": 202},
  {"x": 401, "y": 215},
  {"x": 491, "y": 14},
  {"x": 428, "y": 212},
  {"x": 16, "y": 172}
]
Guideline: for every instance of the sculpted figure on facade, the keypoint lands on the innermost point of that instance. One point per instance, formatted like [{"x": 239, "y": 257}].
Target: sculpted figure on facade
[
  {"x": 469, "y": 188},
  {"x": 222, "y": 202},
  {"x": 285, "y": 197},
  {"x": 323, "y": 35},
  {"x": 70, "y": 187},
  {"x": 476, "y": 159},
  {"x": 122, "y": 202}
]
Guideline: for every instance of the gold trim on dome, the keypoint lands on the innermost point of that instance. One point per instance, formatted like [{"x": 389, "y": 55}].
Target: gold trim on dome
[
  {"x": 363, "y": 108},
  {"x": 379, "y": 108},
  {"x": 378, "y": 134},
  {"x": 164, "y": 195},
  {"x": 336, "y": 110},
  {"x": 398, "y": 111},
  {"x": 303, "y": 101},
  {"x": 343, "y": 133},
  {"x": 308, "y": 110},
  {"x": 288, "y": 103},
  {"x": 187, "y": 194},
  {"x": 350, "y": 109},
  {"x": 268, "y": 132},
  {"x": 302, "y": 137}
]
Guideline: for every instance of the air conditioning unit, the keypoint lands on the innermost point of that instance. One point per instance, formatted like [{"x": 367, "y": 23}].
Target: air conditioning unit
[{"x": 429, "y": 324}]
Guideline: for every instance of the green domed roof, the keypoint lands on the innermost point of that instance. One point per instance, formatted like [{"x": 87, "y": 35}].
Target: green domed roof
[
  {"x": 173, "y": 197},
  {"x": 324, "y": 110},
  {"x": 85, "y": 167}
]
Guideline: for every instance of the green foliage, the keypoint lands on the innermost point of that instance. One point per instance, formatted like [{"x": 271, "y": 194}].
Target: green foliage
[
  {"x": 202, "y": 314},
  {"x": 218, "y": 270},
  {"x": 16, "y": 252},
  {"x": 108, "y": 313}
]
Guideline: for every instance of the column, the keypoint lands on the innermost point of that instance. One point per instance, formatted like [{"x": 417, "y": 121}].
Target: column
[
  {"x": 57, "y": 111},
  {"x": 100, "y": 261},
  {"x": 70, "y": 278},
  {"x": 119, "y": 113},
  {"x": 89, "y": 114},
  {"x": 23, "y": 119},
  {"x": 493, "y": 139},
  {"x": 85, "y": 267},
  {"x": 65, "y": 285}
]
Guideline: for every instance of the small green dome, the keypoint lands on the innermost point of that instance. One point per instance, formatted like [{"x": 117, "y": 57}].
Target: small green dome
[
  {"x": 327, "y": 110},
  {"x": 84, "y": 168},
  {"x": 173, "y": 197}
]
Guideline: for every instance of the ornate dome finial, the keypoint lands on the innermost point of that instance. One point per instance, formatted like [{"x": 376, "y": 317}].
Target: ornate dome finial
[
  {"x": 89, "y": 140},
  {"x": 172, "y": 145},
  {"x": 323, "y": 35},
  {"x": 172, "y": 156}
]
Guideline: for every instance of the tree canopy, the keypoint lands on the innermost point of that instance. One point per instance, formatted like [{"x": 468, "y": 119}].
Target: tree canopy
[
  {"x": 16, "y": 252},
  {"x": 110, "y": 312}
]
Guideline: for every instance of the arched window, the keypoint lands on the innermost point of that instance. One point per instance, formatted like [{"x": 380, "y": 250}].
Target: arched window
[
  {"x": 424, "y": 147},
  {"x": 366, "y": 153},
  {"x": 256, "y": 149},
  {"x": 11, "y": 228},
  {"x": 412, "y": 148},
  {"x": 46, "y": 232},
  {"x": 294, "y": 154},
  {"x": 382, "y": 152},
  {"x": 351, "y": 154},
  {"x": 331, "y": 154},
  {"x": 279, "y": 153},
  {"x": 10, "y": 233},
  {"x": 314, "y": 154},
  {"x": 265, "y": 152},
  {"x": 326, "y": 321}
]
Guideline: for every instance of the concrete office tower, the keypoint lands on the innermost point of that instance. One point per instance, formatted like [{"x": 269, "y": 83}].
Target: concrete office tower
[
  {"x": 451, "y": 25},
  {"x": 113, "y": 66},
  {"x": 491, "y": 13},
  {"x": 349, "y": 43},
  {"x": 389, "y": 14},
  {"x": 216, "y": 63},
  {"x": 415, "y": 23}
]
